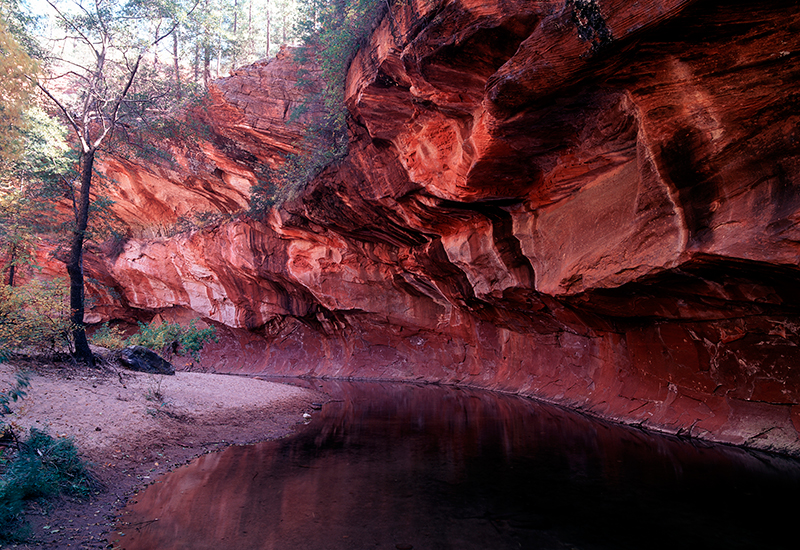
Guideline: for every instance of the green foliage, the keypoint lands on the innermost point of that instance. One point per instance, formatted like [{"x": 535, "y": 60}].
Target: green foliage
[
  {"x": 157, "y": 337},
  {"x": 225, "y": 35},
  {"x": 39, "y": 467},
  {"x": 16, "y": 392},
  {"x": 15, "y": 88},
  {"x": 29, "y": 186},
  {"x": 168, "y": 338},
  {"x": 18, "y": 22},
  {"x": 43, "y": 467},
  {"x": 339, "y": 29},
  {"x": 34, "y": 316},
  {"x": 111, "y": 83},
  {"x": 18, "y": 238},
  {"x": 108, "y": 337},
  {"x": 103, "y": 223},
  {"x": 167, "y": 123},
  {"x": 193, "y": 339},
  {"x": 334, "y": 30},
  {"x": 48, "y": 157},
  {"x": 48, "y": 466},
  {"x": 285, "y": 183}
]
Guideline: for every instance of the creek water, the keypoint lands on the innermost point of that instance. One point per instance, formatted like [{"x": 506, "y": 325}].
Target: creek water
[{"x": 400, "y": 466}]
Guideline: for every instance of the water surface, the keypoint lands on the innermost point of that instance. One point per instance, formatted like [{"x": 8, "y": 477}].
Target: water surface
[{"x": 396, "y": 466}]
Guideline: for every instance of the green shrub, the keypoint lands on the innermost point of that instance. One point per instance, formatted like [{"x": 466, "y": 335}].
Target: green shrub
[
  {"x": 341, "y": 28},
  {"x": 193, "y": 339},
  {"x": 108, "y": 337},
  {"x": 169, "y": 338},
  {"x": 43, "y": 467},
  {"x": 34, "y": 316},
  {"x": 48, "y": 466},
  {"x": 13, "y": 394},
  {"x": 157, "y": 337}
]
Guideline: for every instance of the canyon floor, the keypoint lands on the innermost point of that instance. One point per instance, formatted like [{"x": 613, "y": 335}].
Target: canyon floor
[{"x": 133, "y": 427}]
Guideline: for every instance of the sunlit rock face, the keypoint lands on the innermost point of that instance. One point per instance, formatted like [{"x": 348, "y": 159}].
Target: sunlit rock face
[
  {"x": 206, "y": 161},
  {"x": 594, "y": 202}
]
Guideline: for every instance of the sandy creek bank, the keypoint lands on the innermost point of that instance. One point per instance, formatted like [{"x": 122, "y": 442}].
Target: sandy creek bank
[{"x": 133, "y": 427}]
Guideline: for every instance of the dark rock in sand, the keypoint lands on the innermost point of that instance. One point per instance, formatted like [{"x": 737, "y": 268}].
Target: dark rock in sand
[{"x": 141, "y": 359}]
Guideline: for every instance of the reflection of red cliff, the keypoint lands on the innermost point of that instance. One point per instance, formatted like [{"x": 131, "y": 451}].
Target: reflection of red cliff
[
  {"x": 428, "y": 465},
  {"x": 600, "y": 212}
]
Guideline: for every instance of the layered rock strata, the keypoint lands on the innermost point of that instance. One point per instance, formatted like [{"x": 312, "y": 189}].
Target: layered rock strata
[{"x": 594, "y": 202}]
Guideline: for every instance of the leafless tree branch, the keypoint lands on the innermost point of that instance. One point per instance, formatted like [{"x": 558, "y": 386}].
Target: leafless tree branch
[{"x": 67, "y": 21}]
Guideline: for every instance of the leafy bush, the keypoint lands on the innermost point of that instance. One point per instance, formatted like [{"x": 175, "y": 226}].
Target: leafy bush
[
  {"x": 13, "y": 394},
  {"x": 43, "y": 467},
  {"x": 39, "y": 467},
  {"x": 48, "y": 466},
  {"x": 158, "y": 337},
  {"x": 34, "y": 316},
  {"x": 193, "y": 339},
  {"x": 286, "y": 183},
  {"x": 169, "y": 338},
  {"x": 108, "y": 337}
]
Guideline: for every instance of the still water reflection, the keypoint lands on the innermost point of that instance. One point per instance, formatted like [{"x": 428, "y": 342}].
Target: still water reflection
[{"x": 391, "y": 466}]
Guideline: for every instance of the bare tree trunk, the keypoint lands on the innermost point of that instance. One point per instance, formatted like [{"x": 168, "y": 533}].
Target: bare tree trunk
[
  {"x": 155, "y": 50},
  {"x": 236, "y": 41},
  {"x": 178, "y": 93},
  {"x": 268, "y": 29},
  {"x": 206, "y": 64},
  {"x": 12, "y": 268},
  {"x": 251, "y": 43},
  {"x": 196, "y": 62},
  {"x": 219, "y": 53},
  {"x": 75, "y": 264}
]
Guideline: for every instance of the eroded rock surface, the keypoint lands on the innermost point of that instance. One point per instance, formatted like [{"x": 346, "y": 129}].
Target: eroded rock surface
[{"x": 590, "y": 201}]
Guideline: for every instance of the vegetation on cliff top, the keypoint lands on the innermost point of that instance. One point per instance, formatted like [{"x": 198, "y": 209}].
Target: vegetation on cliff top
[{"x": 333, "y": 31}]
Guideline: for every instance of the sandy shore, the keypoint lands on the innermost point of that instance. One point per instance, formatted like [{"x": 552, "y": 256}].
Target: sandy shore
[{"x": 134, "y": 427}]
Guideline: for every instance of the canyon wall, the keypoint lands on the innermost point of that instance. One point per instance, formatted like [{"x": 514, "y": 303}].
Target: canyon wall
[{"x": 593, "y": 202}]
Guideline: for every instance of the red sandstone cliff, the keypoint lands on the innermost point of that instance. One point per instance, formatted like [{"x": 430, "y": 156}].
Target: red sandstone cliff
[{"x": 593, "y": 201}]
